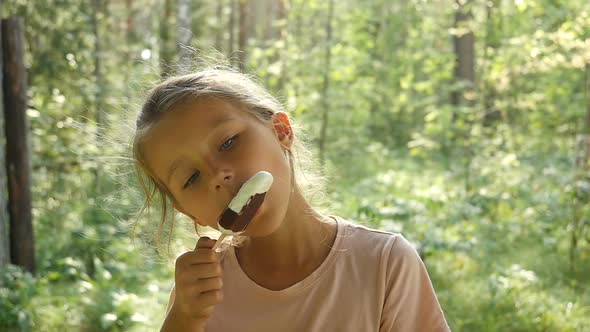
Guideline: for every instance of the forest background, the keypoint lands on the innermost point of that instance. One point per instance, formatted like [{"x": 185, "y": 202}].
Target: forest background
[{"x": 463, "y": 124}]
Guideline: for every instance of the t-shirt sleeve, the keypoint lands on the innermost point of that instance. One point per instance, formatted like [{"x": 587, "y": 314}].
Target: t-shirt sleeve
[{"x": 410, "y": 301}]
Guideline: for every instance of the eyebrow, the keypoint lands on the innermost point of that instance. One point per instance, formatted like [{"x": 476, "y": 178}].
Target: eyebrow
[{"x": 215, "y": 124}]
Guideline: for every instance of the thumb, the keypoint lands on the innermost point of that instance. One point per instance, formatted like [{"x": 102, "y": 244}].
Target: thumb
[{"x": 205, "y": 242}]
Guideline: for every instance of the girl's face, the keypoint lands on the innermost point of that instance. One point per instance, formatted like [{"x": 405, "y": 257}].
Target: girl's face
[{"x": 204, "y": 151}]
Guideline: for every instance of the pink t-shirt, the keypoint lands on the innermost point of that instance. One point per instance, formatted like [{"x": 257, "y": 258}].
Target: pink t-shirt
[{"x": 370, "y": 281}]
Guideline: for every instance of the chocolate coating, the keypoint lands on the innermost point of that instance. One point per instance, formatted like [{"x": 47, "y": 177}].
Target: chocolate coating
[{"x": 238, "y": 222}]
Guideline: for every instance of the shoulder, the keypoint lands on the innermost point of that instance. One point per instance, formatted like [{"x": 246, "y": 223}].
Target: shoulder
[
  {"x": 359, "y": 236},
  {"x": 398, "y": 276},
  {"x": 392, "y": 250},
  {"x": 388, "y": 259}
]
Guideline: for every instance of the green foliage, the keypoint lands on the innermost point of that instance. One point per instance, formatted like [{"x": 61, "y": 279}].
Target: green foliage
[
  {"x": 17, "y": 288},
  {"x": 496, "y": 255},
  {"x": 491, "y": 191}
]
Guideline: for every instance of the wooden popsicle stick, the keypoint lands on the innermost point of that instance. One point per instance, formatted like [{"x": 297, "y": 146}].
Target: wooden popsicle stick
[{"x": 218, "y": 243}]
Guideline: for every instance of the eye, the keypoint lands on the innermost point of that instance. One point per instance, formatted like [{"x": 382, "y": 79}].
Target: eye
[
  {"x": 191, "y": 179},
  {"x": 228, "y": 144}
]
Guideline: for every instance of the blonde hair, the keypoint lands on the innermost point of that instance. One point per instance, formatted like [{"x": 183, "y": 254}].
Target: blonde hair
[{"x": 232, "y": 86}]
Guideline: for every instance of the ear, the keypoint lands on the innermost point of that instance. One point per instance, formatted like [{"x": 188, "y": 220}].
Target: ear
[{"x": 282, "y": 128}]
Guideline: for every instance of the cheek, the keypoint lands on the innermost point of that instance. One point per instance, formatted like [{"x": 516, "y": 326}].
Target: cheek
[
  {"x": 282, "y": 177},
  {"x": 203, "y": 208},
  {"x": 272, "y": 157}
]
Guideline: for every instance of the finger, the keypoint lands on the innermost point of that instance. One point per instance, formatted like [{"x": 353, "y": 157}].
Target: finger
[
  {"x": 200, "y": 256},
  {"x": 210, "y": 298},
  {"x": 204, "y": 271},
  {"x": 205, "y": 242},
  {"x": 210, "y": 284},
  {"x": 192, "y": 274}
]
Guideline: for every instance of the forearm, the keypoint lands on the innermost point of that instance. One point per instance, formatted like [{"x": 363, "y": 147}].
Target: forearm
[{"x": 175, "y": 322}]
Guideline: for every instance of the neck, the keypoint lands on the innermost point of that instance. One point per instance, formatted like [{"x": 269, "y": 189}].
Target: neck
[{"x": 300, "y": 244}]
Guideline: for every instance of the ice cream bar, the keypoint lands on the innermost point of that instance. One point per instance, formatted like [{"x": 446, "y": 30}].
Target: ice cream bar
[
  {"x": 242, "y": 208},
  {"x": 234, "y": 222}
]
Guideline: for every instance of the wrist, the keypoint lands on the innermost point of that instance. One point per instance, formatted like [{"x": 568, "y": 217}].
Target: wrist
[{"x": 176, "y": 321}]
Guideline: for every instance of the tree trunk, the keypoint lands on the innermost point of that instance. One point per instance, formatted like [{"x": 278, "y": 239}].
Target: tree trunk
[
  {"x": 98, "y": 90},
  {"x": 98, "y": 82},
  {"x": 268, "y": 21},
  {"x": 243, "y": 35},
  {"x": 166, "y": 49},
  {"x": 18, "y": 161},
  {"x": 4, "y": 221},
  {"x": 326, "y": 85},
  {"x": 271, "y": 32},
  {"x": 376, "y": 57},
  {"x": 219, "y": 29},
  {"x": 587, "y": 114},
  {"x": 284, "y": 10},
  {"x": 491, "y": 114},
  {"x": 183, "y": 24},
  {"x": 129, "y": 39},
  {"x": 232, "y": 20},
  {"x": 586, "y": 146},
  {"x": 464, "y": 51},
  {"x": 251, "y": 15},
  {"x": 582, "y": 166},
  {"x": 298, "y": 22},
  {"x": 464, "y": 73}
]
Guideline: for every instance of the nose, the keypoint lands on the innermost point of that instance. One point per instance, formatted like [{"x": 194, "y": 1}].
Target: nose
[{"x": 222, "y": 179}]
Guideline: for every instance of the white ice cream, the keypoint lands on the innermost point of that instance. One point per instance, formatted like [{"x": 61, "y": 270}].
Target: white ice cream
[{"x": 257, "y": 184}]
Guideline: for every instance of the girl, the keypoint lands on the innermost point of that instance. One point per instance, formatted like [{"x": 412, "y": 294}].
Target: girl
[{"x": 199, "y": 137}]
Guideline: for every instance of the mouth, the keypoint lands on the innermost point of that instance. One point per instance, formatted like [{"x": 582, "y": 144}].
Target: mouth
[
  {"x": 238, "y": 222},
  {"x": 242, "y": 208}
]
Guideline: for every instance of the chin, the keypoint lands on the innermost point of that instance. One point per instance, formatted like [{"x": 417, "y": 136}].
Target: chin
[
  {"x": 263, "y": 224},
  {"x": 270, "y": 215}
]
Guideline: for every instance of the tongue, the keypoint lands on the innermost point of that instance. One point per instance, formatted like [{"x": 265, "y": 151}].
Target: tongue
[{"x": 235, "y": 222}]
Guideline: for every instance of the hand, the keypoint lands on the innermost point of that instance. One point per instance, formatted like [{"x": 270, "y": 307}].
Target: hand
[{"x": 198, "y": 282}]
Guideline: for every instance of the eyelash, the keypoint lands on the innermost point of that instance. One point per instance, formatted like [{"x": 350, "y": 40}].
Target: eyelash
[
  {"x": 223, "y": 147},
  {"x": 232, "y": 139}
]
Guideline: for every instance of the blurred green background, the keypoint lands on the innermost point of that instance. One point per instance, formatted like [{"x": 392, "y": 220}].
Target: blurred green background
[{"x": 462, "y": 124}]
